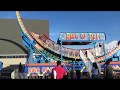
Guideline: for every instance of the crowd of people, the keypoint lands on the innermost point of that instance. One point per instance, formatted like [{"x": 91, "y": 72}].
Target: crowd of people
[{"x": 59, "y": 72}]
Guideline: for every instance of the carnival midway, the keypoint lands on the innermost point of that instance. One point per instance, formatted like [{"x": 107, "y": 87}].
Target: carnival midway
[{"x": 40, "y": 66}]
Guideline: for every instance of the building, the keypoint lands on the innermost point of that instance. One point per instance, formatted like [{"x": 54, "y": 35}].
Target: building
[
  {"x": 12, "y": 51},
  {"x": 10, "y": 34}
]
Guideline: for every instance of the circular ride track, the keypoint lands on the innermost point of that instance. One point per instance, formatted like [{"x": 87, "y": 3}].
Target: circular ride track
[{"x": 49, "y": 47}]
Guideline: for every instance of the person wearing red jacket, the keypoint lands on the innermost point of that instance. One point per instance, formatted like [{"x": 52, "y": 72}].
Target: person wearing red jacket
[{"x": 59, "y": 71}]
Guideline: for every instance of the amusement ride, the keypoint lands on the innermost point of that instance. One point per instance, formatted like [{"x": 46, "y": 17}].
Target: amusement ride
[{"x": 73, "y": 59}]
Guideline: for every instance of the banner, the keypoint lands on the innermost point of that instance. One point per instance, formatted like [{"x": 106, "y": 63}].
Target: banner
[
  {"x": 82, "y": 36},
  {"x": 86, "y": 62}
]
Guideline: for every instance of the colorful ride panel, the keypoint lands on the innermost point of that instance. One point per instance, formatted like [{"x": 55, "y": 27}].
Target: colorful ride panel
[{"x": 42, "y": 69}]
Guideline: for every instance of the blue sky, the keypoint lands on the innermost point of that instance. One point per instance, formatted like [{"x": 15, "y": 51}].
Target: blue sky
[{"x": 75, "y": 21}]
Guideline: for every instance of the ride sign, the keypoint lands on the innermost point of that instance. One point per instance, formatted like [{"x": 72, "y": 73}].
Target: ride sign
[{"x": 82, "y": 36}]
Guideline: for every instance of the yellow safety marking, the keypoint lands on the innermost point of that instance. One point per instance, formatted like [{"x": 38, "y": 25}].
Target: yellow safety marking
[{"x": 82, "y": 69}]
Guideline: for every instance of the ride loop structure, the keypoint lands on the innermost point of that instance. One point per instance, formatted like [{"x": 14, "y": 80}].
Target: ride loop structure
[{"x": 73, "y": 59}]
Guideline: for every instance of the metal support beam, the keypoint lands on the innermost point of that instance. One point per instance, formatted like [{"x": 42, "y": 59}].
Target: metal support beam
[
  {"x": 104, "y": 51},
  {"x": 61, "y": 50}
]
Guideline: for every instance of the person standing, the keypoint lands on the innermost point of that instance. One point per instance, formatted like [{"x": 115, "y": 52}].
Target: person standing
[
  {"x": 78, "y": 74},
  {"x": 58, "y": 71},
  {"x": 20, "y": 68},
  {"x": 95, "y": 71},
  {"x": 108, "y": 70}
]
